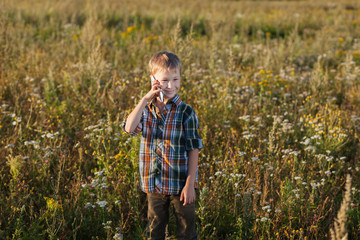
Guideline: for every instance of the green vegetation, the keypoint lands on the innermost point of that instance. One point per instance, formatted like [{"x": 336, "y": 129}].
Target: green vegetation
[{"x": 276, "y": 86}]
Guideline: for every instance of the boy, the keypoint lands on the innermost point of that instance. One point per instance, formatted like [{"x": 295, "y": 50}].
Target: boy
[{"x": 169, "y": 149}]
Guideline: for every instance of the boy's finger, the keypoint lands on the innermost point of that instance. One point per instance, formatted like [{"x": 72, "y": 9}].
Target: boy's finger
[
  {"x": 186, "y": 200},
  {"x": 155, "y": 87},
  {"x": 156, "y": 90}
]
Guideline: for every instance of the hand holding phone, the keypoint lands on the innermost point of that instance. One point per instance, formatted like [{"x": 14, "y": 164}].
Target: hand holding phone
[{"x": 161, "y": 93}]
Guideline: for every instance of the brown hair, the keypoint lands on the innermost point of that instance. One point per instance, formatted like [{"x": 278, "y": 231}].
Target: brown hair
[{"x": 164, "y": 61}]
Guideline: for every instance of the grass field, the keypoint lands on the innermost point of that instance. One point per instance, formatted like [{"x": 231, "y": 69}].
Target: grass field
[{"x": 276, "y": 86}]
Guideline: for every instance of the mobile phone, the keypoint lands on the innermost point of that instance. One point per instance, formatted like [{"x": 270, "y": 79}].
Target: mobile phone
[{"x": 161, "y": 93}]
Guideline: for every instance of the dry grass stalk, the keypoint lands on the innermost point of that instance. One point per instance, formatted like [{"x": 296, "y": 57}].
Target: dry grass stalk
[{"x": 339, "y": 232}]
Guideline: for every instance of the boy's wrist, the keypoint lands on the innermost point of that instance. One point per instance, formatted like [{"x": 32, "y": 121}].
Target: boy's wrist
[
  {"x": 190, "y": 184},
  {"x": 144, "y": 100}
]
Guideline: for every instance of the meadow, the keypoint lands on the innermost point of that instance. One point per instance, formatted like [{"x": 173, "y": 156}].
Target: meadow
[{"x": 275, "y": 84}]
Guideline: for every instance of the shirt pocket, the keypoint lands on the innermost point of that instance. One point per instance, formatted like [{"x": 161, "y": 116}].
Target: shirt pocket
[
  {"x": 178, "y": 138},
  {"x": 178, "y": 130},
  {"x": 178, "y": 124}
]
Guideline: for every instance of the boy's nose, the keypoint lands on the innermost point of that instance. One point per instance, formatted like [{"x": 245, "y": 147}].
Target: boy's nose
[{"x": 169, "y": 85}]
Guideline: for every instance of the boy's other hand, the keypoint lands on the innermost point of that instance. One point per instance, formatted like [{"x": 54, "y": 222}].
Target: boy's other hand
[
  {"x": 154, "y": 91},
  {"x": 187, "y": 195}
]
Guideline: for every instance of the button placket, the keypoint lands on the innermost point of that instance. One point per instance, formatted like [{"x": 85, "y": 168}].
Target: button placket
[
  {"x": 161, "y": 120},
  {"x": 159, "y": 151}
]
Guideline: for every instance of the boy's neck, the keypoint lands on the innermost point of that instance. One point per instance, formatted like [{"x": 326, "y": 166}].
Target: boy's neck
[{"x": 166, "y": 100}]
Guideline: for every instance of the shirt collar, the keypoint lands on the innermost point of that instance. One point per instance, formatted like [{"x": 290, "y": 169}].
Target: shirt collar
[{"x": 175, "y": 100}]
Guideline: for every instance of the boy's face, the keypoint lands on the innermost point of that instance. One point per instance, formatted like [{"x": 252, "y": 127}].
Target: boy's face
[{"x": 169, "y": 82}]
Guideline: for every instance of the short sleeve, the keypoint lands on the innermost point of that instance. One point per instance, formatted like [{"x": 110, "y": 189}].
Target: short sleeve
[
  {"x": 191, "y": 125},
  {"x": 137, "y": 130}
]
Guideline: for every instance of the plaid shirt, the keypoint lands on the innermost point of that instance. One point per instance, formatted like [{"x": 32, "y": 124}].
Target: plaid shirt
[{"x": 165, "y": 140}]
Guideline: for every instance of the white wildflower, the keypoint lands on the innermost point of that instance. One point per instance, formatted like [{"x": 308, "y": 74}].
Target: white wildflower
[
  {"x": 310, "y": 148},
  {"x": 99, "y": 173},
  {"x": 249, "y": 136},
  {"x": 306, "y": 142},
  {"x": 10, "y": 145},
  {"x": 118, "y": 236},
  {"x": 101, "y": 203},
  {"x": 316, "y": 137},
  {"x": 241, "y": 153},
  {"x": 87, "y": 205}
]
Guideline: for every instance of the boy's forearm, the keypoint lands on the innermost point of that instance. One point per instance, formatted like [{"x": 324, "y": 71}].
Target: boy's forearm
[
  {"x": 192, "y": 167},
  {"x": 134, "y": 117}
]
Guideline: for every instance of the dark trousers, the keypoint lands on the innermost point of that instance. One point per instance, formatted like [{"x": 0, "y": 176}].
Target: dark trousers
[{"x": 158, "y": 217}]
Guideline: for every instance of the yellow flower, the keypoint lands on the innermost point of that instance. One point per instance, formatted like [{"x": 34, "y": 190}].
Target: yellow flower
[
  {"x": 341, "y": 39},
  {"x": 149, "y": 39},
  {"x": 130, "y": 29},
  {"x": 123, "y": 34},
  {"x": 52, "y": 205}
]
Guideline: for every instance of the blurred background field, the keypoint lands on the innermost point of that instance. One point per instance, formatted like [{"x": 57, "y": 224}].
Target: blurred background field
[{"x": 276, "y": 86}]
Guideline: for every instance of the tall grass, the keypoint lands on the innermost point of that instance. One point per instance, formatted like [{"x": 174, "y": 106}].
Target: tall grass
[{"x": 275, "y": 85}]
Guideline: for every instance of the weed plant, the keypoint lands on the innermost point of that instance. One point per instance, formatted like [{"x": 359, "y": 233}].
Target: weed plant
[{"x": 276, "y": 85}]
